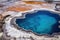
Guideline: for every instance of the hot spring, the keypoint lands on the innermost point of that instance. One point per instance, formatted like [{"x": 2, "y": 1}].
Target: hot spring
[{"x": 40, "y": 22}]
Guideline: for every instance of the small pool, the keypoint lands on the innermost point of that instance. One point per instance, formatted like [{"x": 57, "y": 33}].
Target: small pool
[{"x": 40, "y": 22}]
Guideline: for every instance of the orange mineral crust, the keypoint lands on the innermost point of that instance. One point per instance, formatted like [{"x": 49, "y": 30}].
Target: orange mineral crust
[
  {"x": 34, "y": 2},
  {"x": 19, "y": 8},
  {"x": 23, "y": 7},
  {"x": 41, "y": 4}
]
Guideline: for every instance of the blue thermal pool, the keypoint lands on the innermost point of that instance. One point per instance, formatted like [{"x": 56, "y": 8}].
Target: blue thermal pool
[{"x": 40, "y": 22}]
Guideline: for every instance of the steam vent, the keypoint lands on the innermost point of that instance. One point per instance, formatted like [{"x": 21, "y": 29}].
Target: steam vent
[{"x": 40, "y": 22}]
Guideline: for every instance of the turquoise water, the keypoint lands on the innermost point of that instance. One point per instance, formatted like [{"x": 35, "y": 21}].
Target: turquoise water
[{"x": 41, "y": 22}]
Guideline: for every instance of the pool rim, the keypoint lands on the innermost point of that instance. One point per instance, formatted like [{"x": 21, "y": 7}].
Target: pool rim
[{"x": 23, "y": 16}]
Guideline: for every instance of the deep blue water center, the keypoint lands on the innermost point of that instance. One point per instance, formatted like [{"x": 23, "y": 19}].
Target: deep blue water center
[{"x": 40, "y": 22}]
